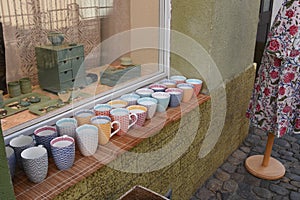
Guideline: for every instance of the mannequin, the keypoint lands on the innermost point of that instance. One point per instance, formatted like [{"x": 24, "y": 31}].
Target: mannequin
[{"x": 275, "y": 102}]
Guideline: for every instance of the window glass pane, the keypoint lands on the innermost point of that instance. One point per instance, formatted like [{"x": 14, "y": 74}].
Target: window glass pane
[{"x": 98, "y": 34}]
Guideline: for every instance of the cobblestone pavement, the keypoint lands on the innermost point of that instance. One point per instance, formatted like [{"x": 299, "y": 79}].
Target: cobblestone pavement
[{"x": 232, "y": 180}]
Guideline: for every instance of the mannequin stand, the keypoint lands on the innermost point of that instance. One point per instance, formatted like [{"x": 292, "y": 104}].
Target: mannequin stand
[{"x": 264, "y": 166}]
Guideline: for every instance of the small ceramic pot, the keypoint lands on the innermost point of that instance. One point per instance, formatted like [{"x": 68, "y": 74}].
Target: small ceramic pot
[
  {"x": 197, "y": 83},
  {"x": 141, "y": 112},
  {"x": 35, "y": 163},
  {"x": 11, "y": 160},
  {"x": 66, "y": 126},
  {"x": 118, "y": 104},
  {"x": 188, "y": 91},
  {"x": 105, "y": 125},
  {"x": 102, "y": 109},
  {"x": 130, "y": 98},
  {"x": 19, "y": 144},
  {"x": 87, "y": 139},
  {"x": 176, "y": 96},
  {"x": 151, "y": 105},
  {"x": 144, "y": 92},
  {"x": 14, "y": 89},
  {"x": 179, "y": 79},
  {"x": 56, "y": 38},
  {"x": 163, "y": 99},
  {"x": 63, "y": 151},
  {"x": 25, "y": 85},
  {"x": 44, "y": 135},
  {"x": 84, "y": 116},
  {"x": 168, "y": 83},
  {"x": 158, "y": 87},
  {"x": 126, "y": 119}
]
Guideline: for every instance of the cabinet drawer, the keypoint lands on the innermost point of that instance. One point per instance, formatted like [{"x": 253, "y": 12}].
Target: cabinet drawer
[
  {"x": 66, "y": 75},
  {"x": 70, "y": 53},
  {"x": 78, "y": 66},
  {"x": 64, "y": 65},
  {"x": 66, "y": 85}
]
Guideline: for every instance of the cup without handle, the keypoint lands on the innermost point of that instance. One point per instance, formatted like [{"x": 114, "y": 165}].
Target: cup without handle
[
  {"x": 134, "y": 121},
  {"x": 112, "y": 126}
]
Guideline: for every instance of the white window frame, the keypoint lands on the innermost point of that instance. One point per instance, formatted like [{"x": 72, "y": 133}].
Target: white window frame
[{"x": 28, "y": 128}]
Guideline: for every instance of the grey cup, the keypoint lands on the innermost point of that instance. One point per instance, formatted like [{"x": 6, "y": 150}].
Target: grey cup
[{"x": 35, "y": 163}]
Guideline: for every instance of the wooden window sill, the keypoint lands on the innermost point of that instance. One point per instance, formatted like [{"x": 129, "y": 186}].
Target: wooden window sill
[{"x": 58, "y": 181}]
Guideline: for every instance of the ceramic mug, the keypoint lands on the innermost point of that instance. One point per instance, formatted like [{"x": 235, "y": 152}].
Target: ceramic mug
[
  {"x": 141, "y": 112},
  {"x": 66, "y": 126},
  {"x": 11, "y": 160},
  {"x": 35, "y": 163},
  {"x": 178, "y": 78},
  {"x": 197, "y": 83},
  {"x": 25, "y": 85},
  {"x": 102, "y": 109},
  {"x": 63, "y": 151},
  {"x": 151, "y": 105},
  {"x": 14, "y": 89},
  {"x": 130, "y": 98},
  {"x": 44, "y": 135},
  {"x": 118, "y": 104},
  {"x": 19, "y": 144},
  {"x": 104, "y": 125},
  {"x": 123, "y": 116},
  {"x": 144, "y": 92},
  {"x": 168, "y": 83},
  {"x": 188, "y": 91},
  {"x": 156, "y": 87},
  {"x": 87, "y": 139},
  {"x": 175, "y": 96},
  {"x": 163, "y": 99},
  {"x": 84, "y": 116}
]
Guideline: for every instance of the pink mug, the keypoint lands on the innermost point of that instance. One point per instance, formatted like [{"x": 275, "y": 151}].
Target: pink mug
[{"x": 126, "y": 119}]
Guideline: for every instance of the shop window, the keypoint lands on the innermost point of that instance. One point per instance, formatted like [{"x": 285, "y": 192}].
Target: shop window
[{"x": 97, "y": 35}]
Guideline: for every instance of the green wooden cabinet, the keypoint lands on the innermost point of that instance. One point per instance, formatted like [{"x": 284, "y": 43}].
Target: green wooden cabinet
[{"x": 60, "y": 67}]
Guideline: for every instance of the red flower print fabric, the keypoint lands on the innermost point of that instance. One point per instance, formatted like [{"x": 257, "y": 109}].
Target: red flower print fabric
[{"x": 275, "y": 102}]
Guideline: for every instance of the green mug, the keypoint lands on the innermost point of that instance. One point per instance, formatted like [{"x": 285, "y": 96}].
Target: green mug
[
  {"x": 14, "y": 89},
  {"x": 25, "y": 85}
]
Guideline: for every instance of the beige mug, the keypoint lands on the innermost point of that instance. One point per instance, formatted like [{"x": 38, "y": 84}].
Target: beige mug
[{"x": 104, "y": 125}]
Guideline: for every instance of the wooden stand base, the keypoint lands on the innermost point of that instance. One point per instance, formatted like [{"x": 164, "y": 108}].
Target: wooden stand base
[
  {"x": 264, "y": 166},
  {"x": 275, "y": 170}
]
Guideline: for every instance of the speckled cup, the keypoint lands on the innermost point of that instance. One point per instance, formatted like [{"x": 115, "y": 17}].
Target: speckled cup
[
  {"x": 87, "y": 139},
  {"x": 44, "y": 135},
  {"x": 130, "y": 98},
  {"x": 188, "y": 91},
  {"x": 141, "y": 112},
  {"x": 35, "y": 163},
  {"x": 151, "y": 105},
  {"x": 11, "y": 160},
  {"x": 102, "y": 109},
  {"x": 67, "y": 126},
  {"x": 163, "y": 99}
]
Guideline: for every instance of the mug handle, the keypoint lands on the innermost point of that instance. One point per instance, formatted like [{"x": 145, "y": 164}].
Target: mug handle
[
  {"x": 112, "y": 126},
  {"x": 136, "y": 118}
]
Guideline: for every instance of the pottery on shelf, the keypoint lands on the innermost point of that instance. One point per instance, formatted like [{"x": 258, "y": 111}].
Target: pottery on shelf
[{"x": 56, "y": 38}]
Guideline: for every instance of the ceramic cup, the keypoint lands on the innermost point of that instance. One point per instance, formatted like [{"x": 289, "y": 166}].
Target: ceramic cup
[
  {"x": 87, "y": 139},
  {"x": 141, "y": 112},
  {"x": 104, "y": 125},
  {"x": 84, "y": 116},
  {"x": 151, "y": 105},
  {"x": 14, "y": 88},
  {"x": 118, "y": 104},
  {"x": 144, "y": 92},
  {"x": 179, "y": 79},
  {"x": 102, "y": 109},
  {"x": 44, "y": 135},
  {"x": 126, "y": 119},
  {"x": 175, "y": 96},
  {"x": 130, "y": 98},
  {"x": 67, "y": 126},
  {"x": 168, "y": 83},
  {"x": 35, "y": 163},
  {"x": 158, "y": 87},
  {"x": 25, "y": 85},
  {"x": 11, "y": 160},
  {"x": 19, "y": 144},
  {"x": 188, "y": 91},
  {"x": 163, "y": 99},
  {"x": 63, "y": 151},
  {"x": 197, "y": 83}
]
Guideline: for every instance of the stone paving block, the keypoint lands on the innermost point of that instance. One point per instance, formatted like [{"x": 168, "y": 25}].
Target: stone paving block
[
  {"x": 295, "y": 195},
  {"x": 262, "y": 192},
  {"x": 204, "y": 194},
  {"x": 222, "y": 175},
  {"x": 214, "y": 185},
  {"x": 230, "y": 186},
  {"x": 279, "y": 190},
  {"x": 229, "y": 167}
]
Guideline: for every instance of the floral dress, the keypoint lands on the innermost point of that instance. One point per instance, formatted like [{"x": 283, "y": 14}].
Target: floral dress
[{"x": 275, "y": 102}]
